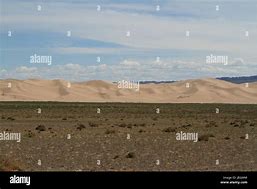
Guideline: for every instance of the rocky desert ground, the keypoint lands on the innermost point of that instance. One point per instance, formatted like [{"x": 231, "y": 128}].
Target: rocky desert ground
[{"x": 128, "y": 137}]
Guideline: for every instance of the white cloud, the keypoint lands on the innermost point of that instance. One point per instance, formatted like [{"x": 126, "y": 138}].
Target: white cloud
[
  {"x": 147, "y": 30},
  {"x": 3, "y": 71},
  {"x": 72, "y": 67},
  {"x": 237, "y": 62},
  {"x": 24, "y": 69},
  {"x": 167, "y": 69},
  {"x": 130, "y": 63},
  {"x": 217, "y": 32},
  {"x": 84, "y": 50}
]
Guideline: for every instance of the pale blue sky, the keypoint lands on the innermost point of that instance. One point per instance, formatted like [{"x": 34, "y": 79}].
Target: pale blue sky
[{"x": 103, "y": 33}]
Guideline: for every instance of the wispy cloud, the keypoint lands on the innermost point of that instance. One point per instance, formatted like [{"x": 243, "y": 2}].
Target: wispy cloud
[
  {"x": 153, "y": 33},
  {"x": 134, "y": 70}
]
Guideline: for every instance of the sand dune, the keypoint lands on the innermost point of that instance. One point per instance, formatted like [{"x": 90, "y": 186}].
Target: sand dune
[{"x": 199, "y": 91}]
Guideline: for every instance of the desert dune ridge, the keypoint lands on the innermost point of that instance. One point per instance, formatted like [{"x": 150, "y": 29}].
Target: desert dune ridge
[{"x": 188, "y": 91}]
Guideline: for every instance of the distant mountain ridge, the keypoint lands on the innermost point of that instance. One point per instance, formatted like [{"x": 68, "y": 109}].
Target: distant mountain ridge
[{"x": 239, "y": 80}]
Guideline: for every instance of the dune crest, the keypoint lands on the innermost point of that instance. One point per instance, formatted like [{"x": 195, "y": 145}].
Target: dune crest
[{"x": 189, "y": 91}]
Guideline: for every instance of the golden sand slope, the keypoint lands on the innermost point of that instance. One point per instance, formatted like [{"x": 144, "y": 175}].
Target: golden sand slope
[{"x": 199, "y": 91}]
